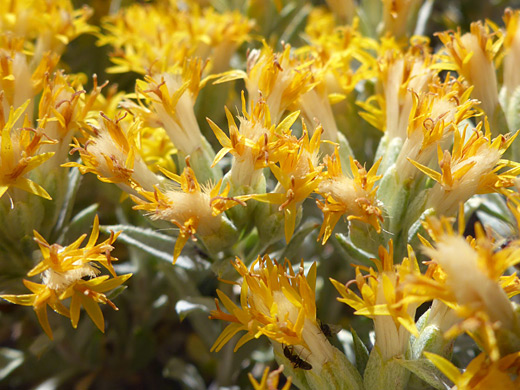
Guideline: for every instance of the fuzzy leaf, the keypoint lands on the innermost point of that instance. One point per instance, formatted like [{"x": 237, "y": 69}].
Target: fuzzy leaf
[
  {"x": 359, "y": 255},
  {"x": 190, "y": 304},
  {"x": 10, "y": 359},
  {"x": 156, "y": 244},
  {"x": 294, "y": 246},
  {"x": 80, "y": 222},
  {"x": 361, "y": 352},
  {"x": 427, "y": 371},
  {"x": 185, "y": 373}
]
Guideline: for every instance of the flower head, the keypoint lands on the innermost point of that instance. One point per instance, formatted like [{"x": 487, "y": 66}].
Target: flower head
[
  {"x": 401, "y": 74},
  {"x": 353, "y": 197},
  {"x": 473, "y": 167},
  {"x": 193, "y": 209},
  {"x": 19, "y": 152},
  {"x": 253, "y": 143},
  {"x": 472, "y": 55},
  {"x": 294, "y": 165},
  {"x": 21, "y": 78},
  {"x": 64, "y": 111},
  {"x": 341, "y": 53},
  {"x": 112, "y": 154},
  {"x": 277, "y": 78},
  {"x": 275, "y": 302},
  {"x": 385, "y": 299},
  {"x": 71, "y": 271},
  {"x": 46, "y": 25},
  {"x": 167, "y": 100},
  {"x": 433, "y": 118},
  {"x": 468, "y": 275}
]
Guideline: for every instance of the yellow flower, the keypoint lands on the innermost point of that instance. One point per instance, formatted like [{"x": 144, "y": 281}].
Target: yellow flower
[
  {"x": 168, "y": 102},
  {"x": 194, "y": 210},
  {"x": 471, "y": 168},
  {"x": 64, "y": 110},
  {"x": 252, "y": 143},
  {"x": 397, "y": 15},
  {"x": 468, "y": 276},
  {"x": 472, "y": 55},
  {"x": 482, "y": 373},
  {"x": 89, "y": 293},
  {"x": 297, "y": 174},
  {"x": 279, "y": 303},
  {"x": 21, "y": 78},
  {"x": 151, "y": 39},
  {"x": 157, "y": 149},
  {"x": 269, "y": 380},
  {"x": 48, "y": 25},
  {"x": 19, "y": 152},
  {"x": 402, "y": 75},
  {"x": 474, "y": 264},
  {"x": 342, "y": 52},
  {"x": 112, "y": 154},
  {"x": 63, "y": 271},
  {"x": 433, "y": 118},
  {"x": 345, "y": 196},
  {"x": 386, "y": 300},
  {"x": 275, "y": 302},
  {"x": 338, "y": 59},
  {"x": 58, "y": 260},
  {"x": 276, "y": 78}
]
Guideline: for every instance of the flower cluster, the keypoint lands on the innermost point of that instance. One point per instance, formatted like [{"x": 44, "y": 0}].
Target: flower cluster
[{"x": 246, "y": 133}]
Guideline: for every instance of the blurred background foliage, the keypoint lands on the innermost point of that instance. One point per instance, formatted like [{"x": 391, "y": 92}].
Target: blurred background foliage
[{"x": 161, "y": 335}]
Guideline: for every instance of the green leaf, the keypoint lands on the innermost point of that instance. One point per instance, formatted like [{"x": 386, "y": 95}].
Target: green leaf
[
  {"x": 296, "y": 22},
  {"x": 78, "y": 225},
  {"x": 10, "y": 359},
  {"x": 389, "y": 151},
  {"x": 154, "y": 243},
  {"x": 115, "y": 292},
  {"x": 394, "y": 193},
  {"x": 383, "y": 374},
  {"x": 144, "y": 346},
  {"x": 358, "y": 255},
  {"x": 185, "y": 373},
  {"x": 427, "y": 371},
  {"x": 360, "y": 351},
  {"x": 191, "y": 304},
  {"x": 297, "y": 239},
  {"x": 74, "y": 180},
  {"x": 491, "y": 204},
  {"x": 417, "y": 227}
]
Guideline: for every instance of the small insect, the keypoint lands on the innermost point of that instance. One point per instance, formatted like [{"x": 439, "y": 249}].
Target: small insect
[
  {"x": 329, "y": 330},
  {"x": 506, "y": 243},
  {"x": 296, "y": 361}
]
